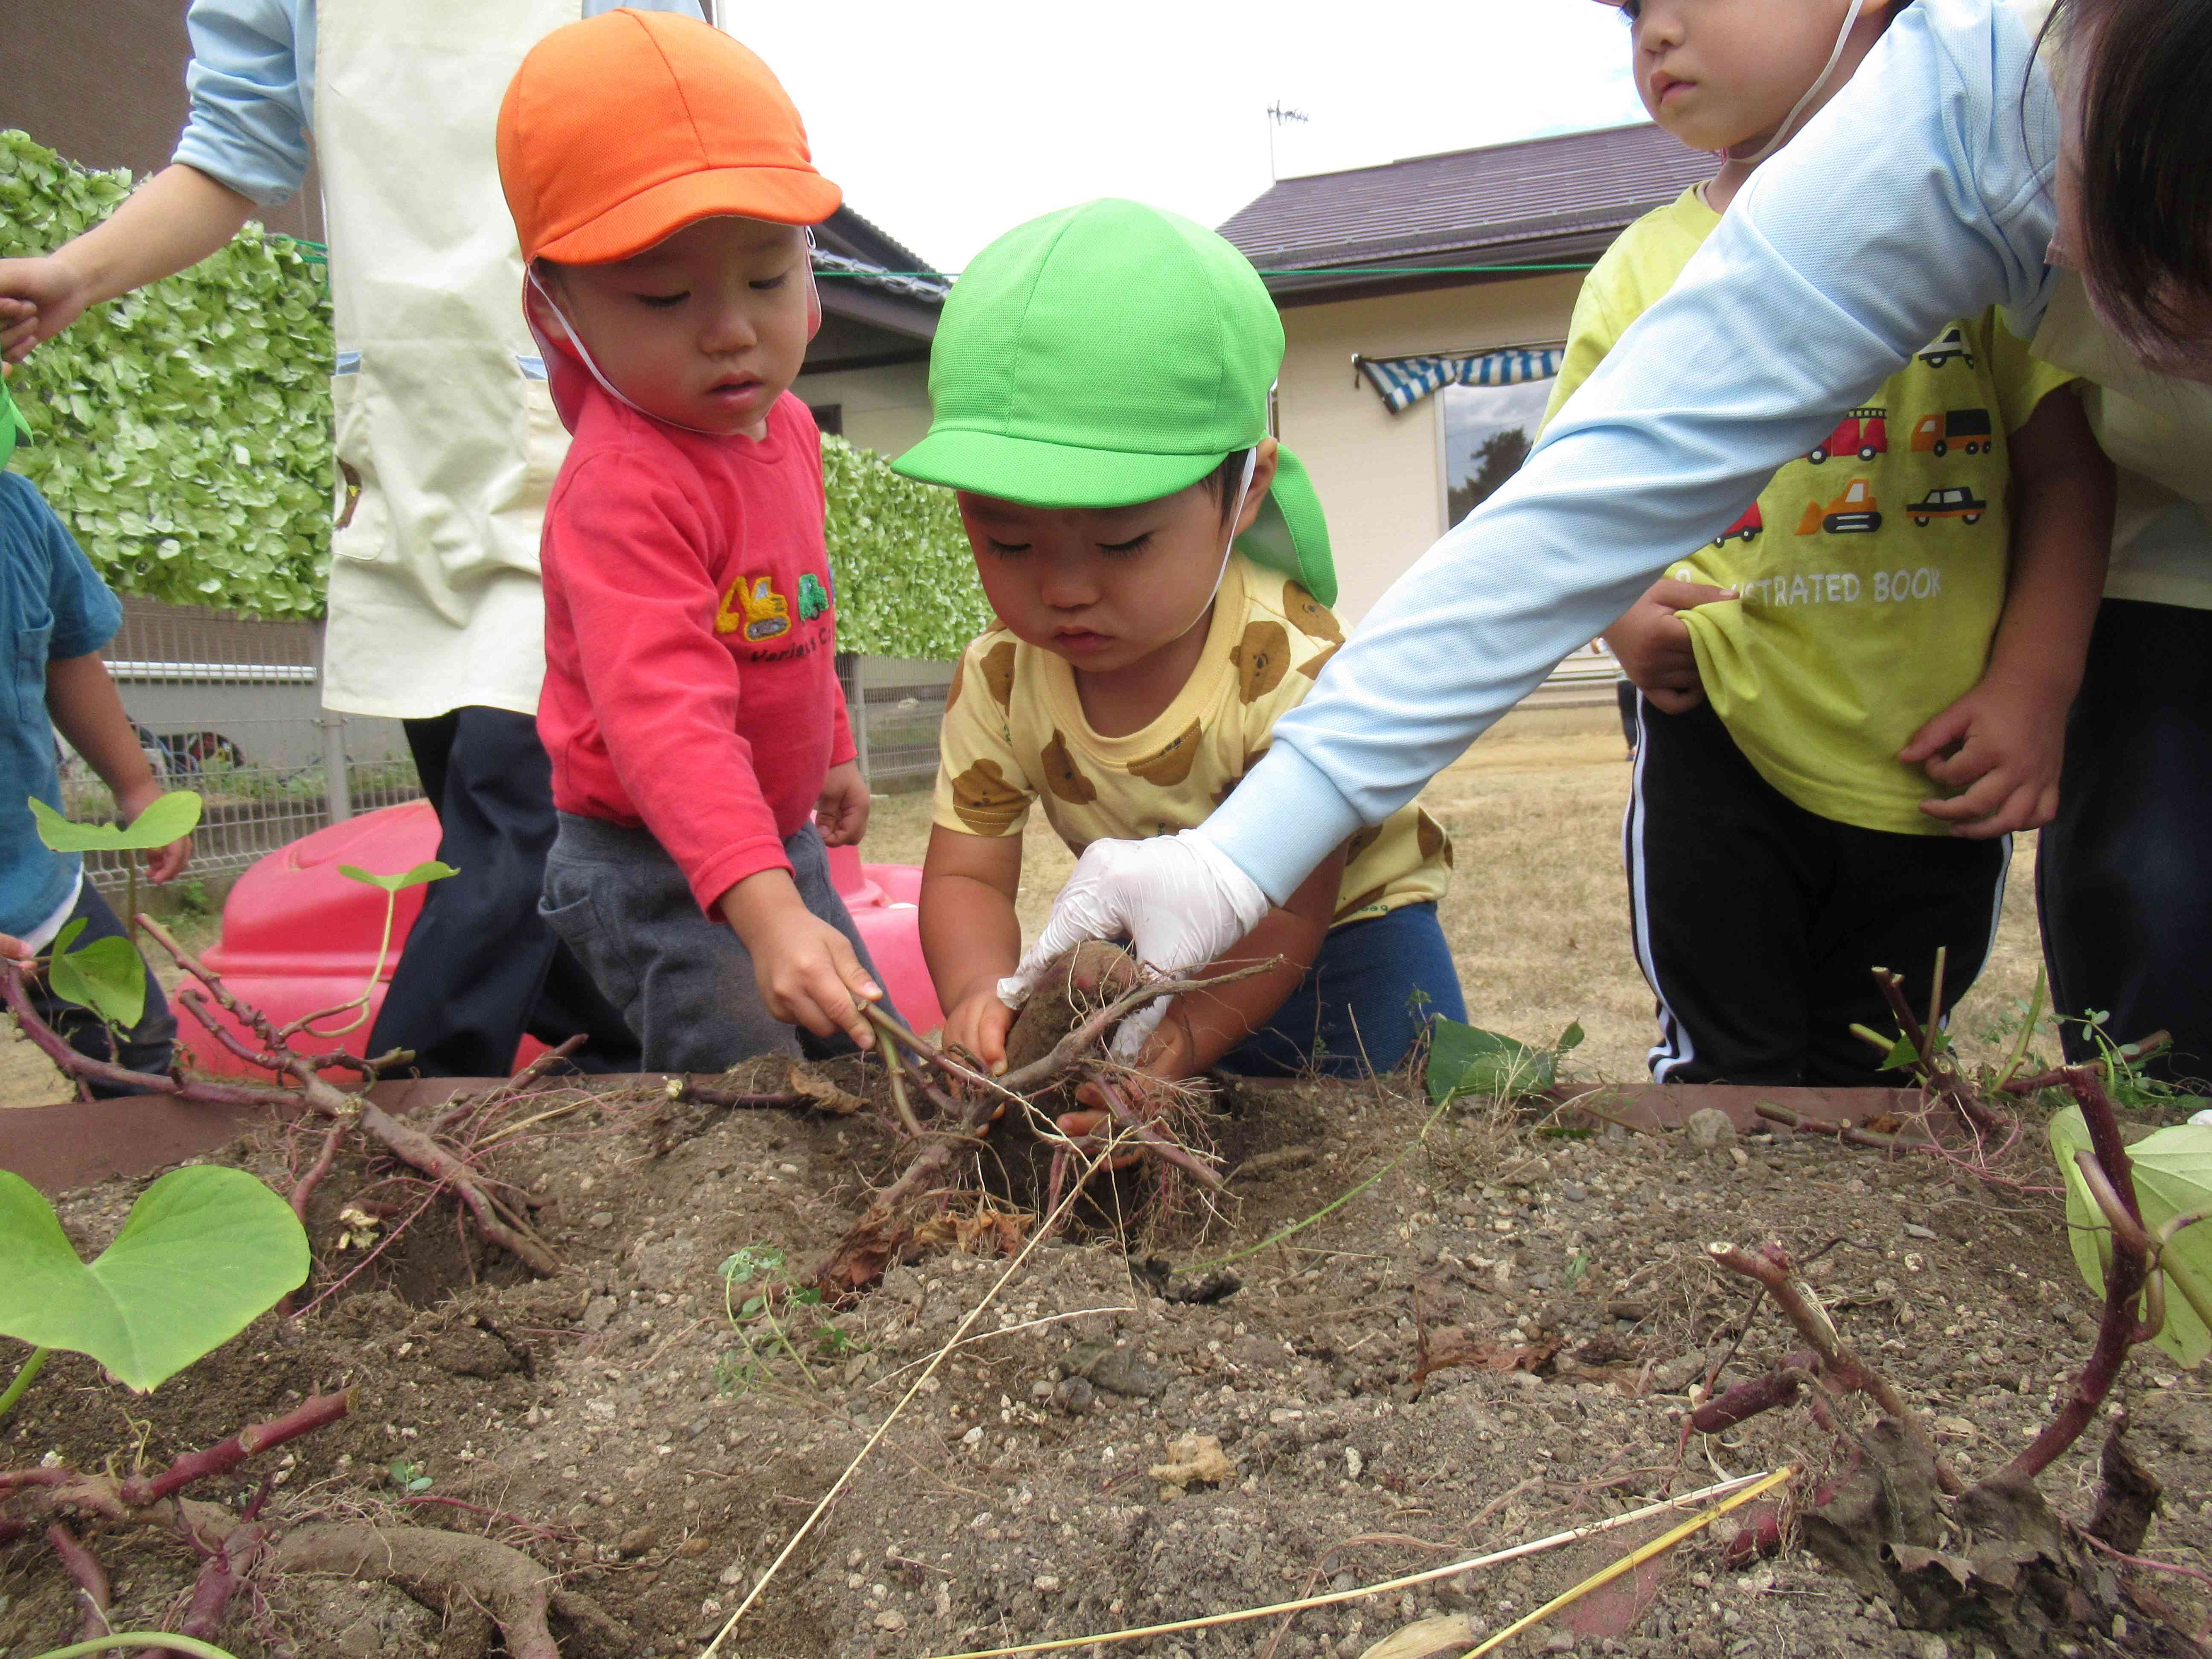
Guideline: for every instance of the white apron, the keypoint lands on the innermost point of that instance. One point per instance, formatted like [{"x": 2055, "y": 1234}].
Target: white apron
[{"x": 441, "y": 410}]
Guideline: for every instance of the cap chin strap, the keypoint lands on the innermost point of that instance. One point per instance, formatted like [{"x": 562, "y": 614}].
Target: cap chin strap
[
  {"x": 1790, "y": 121},
  {"x": 1236, "y": 515}
]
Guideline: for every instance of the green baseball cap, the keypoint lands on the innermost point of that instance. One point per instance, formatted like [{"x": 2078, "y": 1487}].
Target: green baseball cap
[
  {"x": 13, "y": 426},
  {"x": 1109, "y": 354}
]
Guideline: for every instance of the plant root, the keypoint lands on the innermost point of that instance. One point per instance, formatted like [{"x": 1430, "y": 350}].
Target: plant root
[
  {"x": 1055, "y": 1042},
  {"x": 1993, "y": 1558},
  {"x": 444, "y": 1570}
]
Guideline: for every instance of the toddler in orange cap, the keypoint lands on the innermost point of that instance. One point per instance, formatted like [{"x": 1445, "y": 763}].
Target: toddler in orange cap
[{"x": 700, "y": 755}]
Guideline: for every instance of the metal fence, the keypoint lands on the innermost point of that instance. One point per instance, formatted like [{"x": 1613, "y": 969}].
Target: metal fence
[
  {"x": 897, "y": 708},
  {"x": 231, "y": 707}
]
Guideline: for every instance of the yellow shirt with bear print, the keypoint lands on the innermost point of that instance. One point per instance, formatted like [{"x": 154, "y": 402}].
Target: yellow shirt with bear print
[{"x": 1015, "y": 733}]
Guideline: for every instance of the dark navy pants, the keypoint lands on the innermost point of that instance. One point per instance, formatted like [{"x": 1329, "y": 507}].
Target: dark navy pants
[
  {"x": 1370, "y": 994},
  {"x": 2122, "y": 878},
  {"x": 481, "y": 967}
]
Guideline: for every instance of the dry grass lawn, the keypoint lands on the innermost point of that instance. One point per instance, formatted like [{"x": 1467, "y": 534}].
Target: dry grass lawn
[
  {"x": 1537, "y": 913},
  {"x": 1537, "y": 916}
]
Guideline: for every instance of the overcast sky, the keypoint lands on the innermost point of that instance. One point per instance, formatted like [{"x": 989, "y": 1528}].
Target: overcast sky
[{"x": 949, "y": 122}]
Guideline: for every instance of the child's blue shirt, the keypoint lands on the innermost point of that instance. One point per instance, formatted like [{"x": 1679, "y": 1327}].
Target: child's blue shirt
[
  {"x": 1921, "y": 193},
  {"x": 52, "y": 603}
]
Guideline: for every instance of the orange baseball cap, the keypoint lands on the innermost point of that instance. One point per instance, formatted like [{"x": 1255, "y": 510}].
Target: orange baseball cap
[{"x": 619, "y": 131}]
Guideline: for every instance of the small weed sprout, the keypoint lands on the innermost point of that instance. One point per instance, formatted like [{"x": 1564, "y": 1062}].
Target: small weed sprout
[{"x": 763, "y": 1265}]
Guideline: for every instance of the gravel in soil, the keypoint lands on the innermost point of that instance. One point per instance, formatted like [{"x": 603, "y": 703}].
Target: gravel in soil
[{"x": 612, "y": 1422}]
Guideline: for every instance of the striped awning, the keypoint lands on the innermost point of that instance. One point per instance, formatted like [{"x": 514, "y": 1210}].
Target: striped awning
[{"x": 1404, "y": 381}]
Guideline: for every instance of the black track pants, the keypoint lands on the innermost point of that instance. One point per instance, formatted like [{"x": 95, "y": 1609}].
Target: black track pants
[
  {"x": 482, "y": 966},
  {"x": 1759, "y": 923}
]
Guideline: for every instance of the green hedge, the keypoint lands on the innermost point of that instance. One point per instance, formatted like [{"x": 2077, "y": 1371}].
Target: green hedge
[
  {"x": 183, "y": 432},
  {"x": 905, "y": 576}
]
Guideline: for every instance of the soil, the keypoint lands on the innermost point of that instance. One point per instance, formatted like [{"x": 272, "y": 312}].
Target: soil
[{"x": 659, "y": 1469}]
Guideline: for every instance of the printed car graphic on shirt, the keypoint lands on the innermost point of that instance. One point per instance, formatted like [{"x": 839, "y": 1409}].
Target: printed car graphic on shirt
[
  {"x": 1863, "y": 433},
  {"x": 1956, "y": 502},
  {"x": 1745, "y": 528},
  {"x": 1853, "y": 513},
  {"x": 1949, "y": 346},
  {"x": 1969, "y": 429}
]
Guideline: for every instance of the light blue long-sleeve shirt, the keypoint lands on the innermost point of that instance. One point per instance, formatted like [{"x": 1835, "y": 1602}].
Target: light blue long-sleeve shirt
[
  {"x": 252, "y": 81},
  {"x": 1920, "y": 194}
]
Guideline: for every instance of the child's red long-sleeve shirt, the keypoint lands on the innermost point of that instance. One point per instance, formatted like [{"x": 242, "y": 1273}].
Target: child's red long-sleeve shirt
[{"x": 690, "y": 671}]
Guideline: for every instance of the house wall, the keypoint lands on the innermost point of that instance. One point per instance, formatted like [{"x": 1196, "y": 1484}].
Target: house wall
[
  {"x": 1380, "y": 474},
  {"x": 886, "y": 408}
]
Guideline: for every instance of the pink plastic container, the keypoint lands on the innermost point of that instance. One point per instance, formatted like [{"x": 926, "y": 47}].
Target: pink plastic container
[{"x": 298, "y": 937}]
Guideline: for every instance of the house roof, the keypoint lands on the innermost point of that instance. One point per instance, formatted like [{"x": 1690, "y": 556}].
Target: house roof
[
  {"x": 876, "y": 311},
  {"x": 1535, "y": 201}
]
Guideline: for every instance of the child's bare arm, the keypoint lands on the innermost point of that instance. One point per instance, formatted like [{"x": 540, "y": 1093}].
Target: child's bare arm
[
  {"x": 83, "y": 701},
  {"x": 970, "y": 935},
  {"x": 1651, "y": 642},
  {"x": 2002, "y": 743}
]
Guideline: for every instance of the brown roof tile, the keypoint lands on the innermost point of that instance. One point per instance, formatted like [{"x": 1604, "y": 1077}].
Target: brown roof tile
[{"x": 1563, "y": 197}]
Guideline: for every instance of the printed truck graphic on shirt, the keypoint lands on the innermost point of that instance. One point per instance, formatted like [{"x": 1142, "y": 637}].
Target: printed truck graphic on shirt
[
  {"x": 759, "y": 610},
  {"x": 1853, "y": 513},
  {"x": 1948, "y": 347},
  {"x": 1969, "y": 429},
  {"x": 1863, "y": 433},
  {"x": 1744, "y": 529},
  {"x": 813, "y": 597},
  {"x": 1959, "y": 503}
]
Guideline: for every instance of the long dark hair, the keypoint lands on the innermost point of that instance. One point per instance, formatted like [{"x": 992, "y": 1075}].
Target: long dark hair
[{"x": 2145, "y": 176}]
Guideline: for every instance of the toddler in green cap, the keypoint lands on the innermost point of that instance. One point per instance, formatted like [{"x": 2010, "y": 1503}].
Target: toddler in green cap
[{"x": 1160, "y": 573}]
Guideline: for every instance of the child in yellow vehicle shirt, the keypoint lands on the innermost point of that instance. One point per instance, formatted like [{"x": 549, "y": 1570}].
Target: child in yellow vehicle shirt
[
  {"x": 1159, "y": 570},
  {"x": 1853, "y": 695}
]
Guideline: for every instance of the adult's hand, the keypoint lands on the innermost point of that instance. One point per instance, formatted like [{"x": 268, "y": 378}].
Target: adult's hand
[{"x": 1179, "y": 900}]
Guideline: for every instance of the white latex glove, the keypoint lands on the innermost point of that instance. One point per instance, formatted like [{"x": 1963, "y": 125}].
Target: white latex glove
[{"x": 1179, "y": 900}]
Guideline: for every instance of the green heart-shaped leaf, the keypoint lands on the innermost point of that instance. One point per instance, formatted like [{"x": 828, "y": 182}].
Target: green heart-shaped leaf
[
  {"x": 429, "y": 870},
  {"x": 108, "y": 976},
  {"x": 2172, "y": 1172},
  {"x": 204, "y": 1251},
  {"x": 173, "y": 816},
  {"x": 1466, "y": 1060}
]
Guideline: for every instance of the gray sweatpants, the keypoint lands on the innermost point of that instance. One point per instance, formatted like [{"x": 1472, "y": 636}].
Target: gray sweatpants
[{"x": 684, "y": 983}]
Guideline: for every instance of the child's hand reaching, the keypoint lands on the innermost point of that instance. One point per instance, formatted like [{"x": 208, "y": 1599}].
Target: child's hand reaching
[
  {"x": 163, "y": 863},
  {"x": 979, "y": 1022},
  {"x": 1651, "y": 642},
  {"x": 805, "y": 968},
  {"x": 1166, "y": 1056},
  {"x": 2001, "y": 745},
  {"x": 842, "y": 814}
]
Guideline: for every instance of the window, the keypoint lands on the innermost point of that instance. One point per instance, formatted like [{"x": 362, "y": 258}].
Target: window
[{"x": 1488, "y": 432}]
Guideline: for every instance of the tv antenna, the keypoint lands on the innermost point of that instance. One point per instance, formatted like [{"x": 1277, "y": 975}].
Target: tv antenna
[{"x": 1278, "y": 114}]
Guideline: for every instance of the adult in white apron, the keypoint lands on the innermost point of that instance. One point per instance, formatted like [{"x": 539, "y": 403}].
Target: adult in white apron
[
  {"x": 447, "y": 441},
  {"x": 1930, "y": 187}
]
